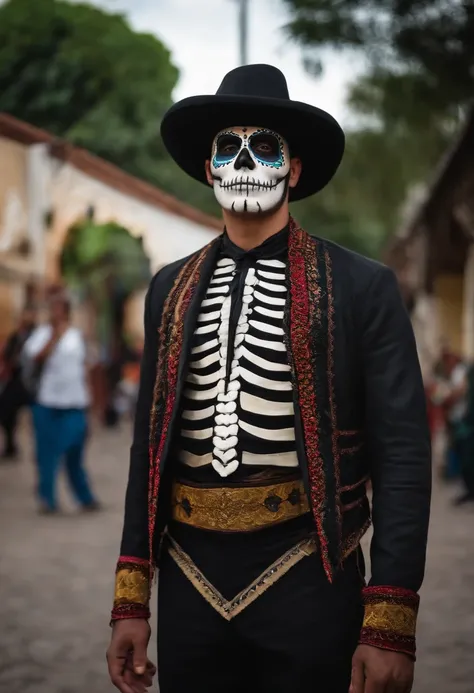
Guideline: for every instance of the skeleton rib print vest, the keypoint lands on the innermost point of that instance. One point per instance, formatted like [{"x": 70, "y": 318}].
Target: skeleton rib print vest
[{"x": 237, "y": 405}]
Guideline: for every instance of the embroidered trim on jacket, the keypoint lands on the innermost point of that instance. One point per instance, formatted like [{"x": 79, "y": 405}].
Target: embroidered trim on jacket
[
  {"x": 336, "y": 450},
  {"x": 309, "y": 349},
  {"x": 164, "y": 396}
]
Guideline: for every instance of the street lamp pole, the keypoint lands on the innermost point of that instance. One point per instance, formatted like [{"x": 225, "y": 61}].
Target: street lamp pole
[{"x": 243, "y": 30}]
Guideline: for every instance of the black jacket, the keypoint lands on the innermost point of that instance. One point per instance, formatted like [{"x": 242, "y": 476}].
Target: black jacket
[{"x": 370, "y": 424}]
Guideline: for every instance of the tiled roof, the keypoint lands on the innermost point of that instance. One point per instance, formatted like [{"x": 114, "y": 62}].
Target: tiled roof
[{"x": 102, "y": 170}]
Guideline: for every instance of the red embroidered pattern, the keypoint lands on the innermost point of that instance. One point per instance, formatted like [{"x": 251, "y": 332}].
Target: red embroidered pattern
[
  {"x": 352, "y": 487},
  {"x": 390, "y": 618},
  {"x": 127, "y": 560},
  {"x": 300, "y": 339},
  {"x": 332, "y": 394},
  {"x": 354, "y": 504},
  {"x": 120, "y": 613},
  {"x": 352, "y": 450},
  {"x": 352, "y": 541}
]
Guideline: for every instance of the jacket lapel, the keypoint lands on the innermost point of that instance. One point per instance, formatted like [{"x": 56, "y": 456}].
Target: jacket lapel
[
  {"x": 189, "y": 318},
  {"x": 310, "y": 348},
  {"x": 177, "y": 326}
]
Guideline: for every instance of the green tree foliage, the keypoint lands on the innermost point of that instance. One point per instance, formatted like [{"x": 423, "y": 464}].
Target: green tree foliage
[
  {"x": 94, "y": 253},
  {"x": 86, "y": 76},
  {"x": 431, "y": 41},
  {"x": 104, "y": 264},
  {"x": 358, "y": 207},
  {"x": 420, "y": 80},
  {"x": 361, "y": 206}
]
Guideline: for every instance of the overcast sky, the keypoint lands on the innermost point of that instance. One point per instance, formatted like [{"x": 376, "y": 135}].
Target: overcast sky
[{"x": 203, "y": 38}]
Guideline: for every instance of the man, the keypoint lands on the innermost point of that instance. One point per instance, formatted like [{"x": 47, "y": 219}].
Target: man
[
  {"x": 279, "y": 375},
  {"x": 13, "y": 395},
  {"x": 450, "y": 392},
  {"x": 55, "y": 364},
  {"x": 465, "y": 441}
]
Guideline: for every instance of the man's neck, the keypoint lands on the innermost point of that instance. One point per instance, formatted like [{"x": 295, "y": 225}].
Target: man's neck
[{"x": 250, "y": 230}]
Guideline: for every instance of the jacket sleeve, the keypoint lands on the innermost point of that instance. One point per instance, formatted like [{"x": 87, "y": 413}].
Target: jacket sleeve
[
  {"x": 132, "y": 580},
  {"x": 400, "y": 457}
]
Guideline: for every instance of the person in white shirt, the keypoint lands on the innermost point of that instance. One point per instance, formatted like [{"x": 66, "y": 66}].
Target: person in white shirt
[{"x": 55, "y": 360}]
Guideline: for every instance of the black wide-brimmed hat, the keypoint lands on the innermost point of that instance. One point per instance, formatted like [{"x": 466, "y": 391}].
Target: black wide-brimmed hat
[{"x": 255, "y": 95}]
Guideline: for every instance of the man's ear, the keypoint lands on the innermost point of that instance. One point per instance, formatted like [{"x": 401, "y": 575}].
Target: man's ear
[
  {"x": 295, "y": 172},
  {"x": 209, "y": 177}
]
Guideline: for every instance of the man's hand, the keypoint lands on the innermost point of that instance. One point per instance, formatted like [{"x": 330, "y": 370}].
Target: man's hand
[
  {"x": 381, "y": 671},
  {"x": 59, "y": 329},
  {"x": 130, "y": 670}
]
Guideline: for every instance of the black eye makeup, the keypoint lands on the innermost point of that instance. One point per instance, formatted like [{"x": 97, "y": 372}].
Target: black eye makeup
[
  {"x": 227, "y": 147},
  {"x": 266, "y": 147}
]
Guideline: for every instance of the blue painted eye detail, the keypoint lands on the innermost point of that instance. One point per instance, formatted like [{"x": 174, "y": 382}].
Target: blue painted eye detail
[
  {"x": 227, "y": 147},
  {"x": 267, "y": 148}
]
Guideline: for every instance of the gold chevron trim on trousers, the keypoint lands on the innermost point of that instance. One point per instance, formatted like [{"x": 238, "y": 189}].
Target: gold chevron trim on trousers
[{"x": 228, "y": 609}]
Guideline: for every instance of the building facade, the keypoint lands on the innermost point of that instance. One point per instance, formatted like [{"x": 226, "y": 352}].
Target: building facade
[
  {"x": 48, "y": 186},
  {"x": 433, "y": 256}
]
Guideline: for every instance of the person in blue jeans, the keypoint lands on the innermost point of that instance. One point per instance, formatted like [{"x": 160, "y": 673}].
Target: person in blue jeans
[{"x": 55, "y": 361}]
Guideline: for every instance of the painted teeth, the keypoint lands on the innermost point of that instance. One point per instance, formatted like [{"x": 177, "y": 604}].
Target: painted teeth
[{"x": 247, "y": 185}]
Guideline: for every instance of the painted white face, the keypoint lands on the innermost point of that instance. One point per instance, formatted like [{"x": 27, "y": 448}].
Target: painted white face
[{"x": 251, "y": 168}]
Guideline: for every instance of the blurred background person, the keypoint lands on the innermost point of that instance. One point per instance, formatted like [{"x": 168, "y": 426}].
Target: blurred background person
[
  {"x": 449, "y": 394},
  {"x": 56, "y": 367},
  {"x": 465, "y": 442},
  {"x": 13, "y": 394}
]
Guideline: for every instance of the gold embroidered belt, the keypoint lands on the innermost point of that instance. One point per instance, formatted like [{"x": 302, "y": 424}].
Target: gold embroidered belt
[
  {"x": 238, "y": 509},
  {"x": 228, "y": 608}
]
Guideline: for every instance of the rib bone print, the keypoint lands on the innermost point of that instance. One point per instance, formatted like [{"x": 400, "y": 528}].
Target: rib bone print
[{"x": 240, "y": 412}]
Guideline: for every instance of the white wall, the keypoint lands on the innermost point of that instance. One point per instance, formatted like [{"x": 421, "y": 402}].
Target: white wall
[
  {"x": 166, "y": 236},
  {"x": 427, "y": 333},
  {"x": 37, "y": 177}
]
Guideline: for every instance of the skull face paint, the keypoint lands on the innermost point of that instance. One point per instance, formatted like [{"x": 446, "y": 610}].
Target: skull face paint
[{"x": 251, "y": 169}]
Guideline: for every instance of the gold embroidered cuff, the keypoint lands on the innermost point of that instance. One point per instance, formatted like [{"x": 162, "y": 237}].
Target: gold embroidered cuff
[
  {"x": 390, "y": 619},
  {"x": 132, "y": 588}
]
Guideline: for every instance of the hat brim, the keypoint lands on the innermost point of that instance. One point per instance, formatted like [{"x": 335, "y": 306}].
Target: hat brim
[{"x": 189, "y": 127}]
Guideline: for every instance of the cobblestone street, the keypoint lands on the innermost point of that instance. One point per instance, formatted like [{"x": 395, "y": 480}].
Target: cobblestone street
[{"x": 56, "y": 583}]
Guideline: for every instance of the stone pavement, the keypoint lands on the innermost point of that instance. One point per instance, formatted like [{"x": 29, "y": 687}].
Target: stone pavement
[{"x": 56, "y": 579}]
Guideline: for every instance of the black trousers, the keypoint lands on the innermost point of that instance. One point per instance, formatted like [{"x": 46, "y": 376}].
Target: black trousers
[
  {"x": 298, "y": 636},
  {"x": 9, "y": 424},
  {"x": 466, "y": 453},
  {"x": 12, "y": 400}
]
